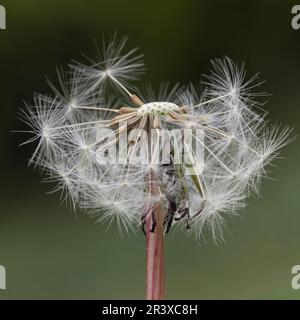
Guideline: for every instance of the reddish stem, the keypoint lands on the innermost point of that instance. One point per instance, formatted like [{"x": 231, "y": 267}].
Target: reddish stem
[
  {"x": 155, "y": 273},
  {"x": 155, "y": 268}
]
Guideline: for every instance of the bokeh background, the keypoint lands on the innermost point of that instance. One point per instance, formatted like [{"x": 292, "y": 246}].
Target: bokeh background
[{"x": 49, "y": 251}]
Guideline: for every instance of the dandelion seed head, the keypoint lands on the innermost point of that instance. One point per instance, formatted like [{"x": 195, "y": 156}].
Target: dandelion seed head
[{"x": 206, "y": 176}]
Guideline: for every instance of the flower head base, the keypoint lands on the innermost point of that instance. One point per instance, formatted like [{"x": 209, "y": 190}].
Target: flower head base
[
  {"x": 209, "y": 170},
  {"x": 157, "y": 108}
]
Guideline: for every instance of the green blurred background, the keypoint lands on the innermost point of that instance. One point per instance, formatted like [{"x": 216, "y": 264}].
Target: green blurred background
[{"x": 52, "y": 253}]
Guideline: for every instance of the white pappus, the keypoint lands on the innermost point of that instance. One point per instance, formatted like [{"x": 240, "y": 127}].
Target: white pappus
[{"x": 79, "y": 133}]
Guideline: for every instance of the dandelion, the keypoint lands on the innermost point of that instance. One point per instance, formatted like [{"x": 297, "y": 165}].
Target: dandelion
[{"x": 181, "y": 158}]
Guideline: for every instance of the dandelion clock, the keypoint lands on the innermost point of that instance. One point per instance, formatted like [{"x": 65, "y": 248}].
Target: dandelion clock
[{"x": 183, "y": 157}]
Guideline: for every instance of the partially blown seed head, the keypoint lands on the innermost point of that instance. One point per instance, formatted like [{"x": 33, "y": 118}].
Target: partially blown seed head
[{"x": 118, "y": 154}]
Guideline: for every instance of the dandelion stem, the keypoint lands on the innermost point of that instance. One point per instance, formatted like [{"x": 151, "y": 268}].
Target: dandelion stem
[
  {"x": 155, "y": 273},
  {"x": 155, "y": 268}
]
